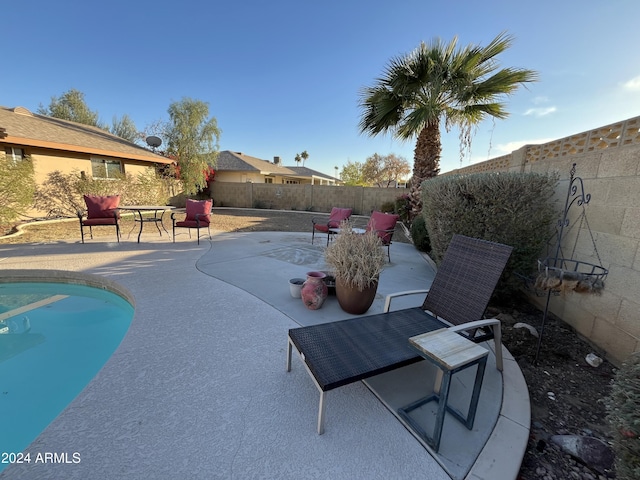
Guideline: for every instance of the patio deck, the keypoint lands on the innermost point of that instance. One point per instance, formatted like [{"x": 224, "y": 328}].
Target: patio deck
[{"x": 198, "y": 388}]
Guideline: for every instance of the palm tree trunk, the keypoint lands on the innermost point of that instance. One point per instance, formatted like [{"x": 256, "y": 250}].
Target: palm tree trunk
[{"x": 426, "y": 162}]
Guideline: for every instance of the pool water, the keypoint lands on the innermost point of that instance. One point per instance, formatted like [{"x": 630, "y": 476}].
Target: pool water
[{"x": 54, "y": 338}]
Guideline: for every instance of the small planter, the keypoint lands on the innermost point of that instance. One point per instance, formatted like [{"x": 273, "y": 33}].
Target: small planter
[
  {"x": 295, "y": 285},
  {"x": 314, "y": 291}
]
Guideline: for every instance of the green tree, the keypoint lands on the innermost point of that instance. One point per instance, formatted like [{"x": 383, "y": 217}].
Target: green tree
[
  {"x": 352, "y": 174},
  {"x": 385, "y": 170},
  {"x": 298, "y": 159},
  {"x": 436, "y": 82},
  {"x": 17, "y": 187},
  {"x": 304, "y": 155},
  {"x": 192, "y": 139},
  {"x": 125, "y": 128},
  {"x": 71, "y": 106}
]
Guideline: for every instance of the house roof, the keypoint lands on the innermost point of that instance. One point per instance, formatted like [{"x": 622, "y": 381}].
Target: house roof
[
  {"x": 238, "y": 161},
  {"x": 308, "y": 172},
  {"x": 21, "y": 127}
]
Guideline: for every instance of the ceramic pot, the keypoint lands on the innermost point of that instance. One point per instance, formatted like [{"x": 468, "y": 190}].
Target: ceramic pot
[
  {"x": 295, "y": 285},
  {"x": 314, "y": 291},
  {"x": 352, "y": 300}
]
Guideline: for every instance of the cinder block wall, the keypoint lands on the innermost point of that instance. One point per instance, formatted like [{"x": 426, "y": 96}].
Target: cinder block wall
[
  {"x": 608, "y": 161},
  {"x": 317, "y": 198}
]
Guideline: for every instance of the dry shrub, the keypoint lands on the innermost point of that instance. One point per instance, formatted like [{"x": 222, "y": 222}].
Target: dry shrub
[{"x": 357, "y": 259}]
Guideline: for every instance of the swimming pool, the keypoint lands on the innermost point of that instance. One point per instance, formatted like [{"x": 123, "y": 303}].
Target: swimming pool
[{"x": 54, "y": 338}]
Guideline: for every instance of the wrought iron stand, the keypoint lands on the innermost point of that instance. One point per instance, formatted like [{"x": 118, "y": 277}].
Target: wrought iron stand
[{"x": 561, "y": 273}]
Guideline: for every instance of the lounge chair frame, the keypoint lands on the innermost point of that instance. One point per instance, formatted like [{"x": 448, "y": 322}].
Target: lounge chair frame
[{"x": 339, "y": 353}]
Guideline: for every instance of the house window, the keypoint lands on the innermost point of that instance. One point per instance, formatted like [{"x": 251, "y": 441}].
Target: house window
[
  {"x": 101, "y": 168},
  {"x": 14, "y": 154},
  {"x": 268, "y": 180},
  {"x": 292, "y": 182}
]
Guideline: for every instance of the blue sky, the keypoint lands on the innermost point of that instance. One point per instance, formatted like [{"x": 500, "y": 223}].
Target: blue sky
[{"x": 284, "y": 76}]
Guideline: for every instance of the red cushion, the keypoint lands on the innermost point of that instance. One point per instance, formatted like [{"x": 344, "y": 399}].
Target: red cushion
[
  {"x": 91, "y": 222},
  {"x": 101, "y": 207},
  {"x": 379, "y": 222},
  {"x": 202, "y": 208},
  {"x": 321, "y": 228},
  {"x": 337, "y": 216}
]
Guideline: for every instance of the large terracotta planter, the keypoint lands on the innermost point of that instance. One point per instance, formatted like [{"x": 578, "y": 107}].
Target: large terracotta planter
[{"x": 354, "y": 301}]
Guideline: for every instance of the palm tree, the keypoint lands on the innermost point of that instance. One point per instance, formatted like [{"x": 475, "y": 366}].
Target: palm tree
[
  {"x": 439, "y": 82},
  {"x": 304, "y": 156},
  {"x": 298, "y": 159}
]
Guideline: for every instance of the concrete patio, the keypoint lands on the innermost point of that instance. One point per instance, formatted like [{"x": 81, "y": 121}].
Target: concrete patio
[{"x": 198, "y": 388}]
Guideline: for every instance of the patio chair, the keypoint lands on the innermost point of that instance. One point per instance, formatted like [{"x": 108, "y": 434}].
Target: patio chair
[
  {"x": 339, "y": 353},
  {"x": 198, "y": 215},
  {"x": 101, "y": 211},
  {"x": 337, "y": 216},
  {"x": 383, "y": 224}
]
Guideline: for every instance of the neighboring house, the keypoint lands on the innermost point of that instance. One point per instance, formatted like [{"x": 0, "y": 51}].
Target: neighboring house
[
  {"x": 236, "y": 167},
  {"x": 55, "y": 144}
]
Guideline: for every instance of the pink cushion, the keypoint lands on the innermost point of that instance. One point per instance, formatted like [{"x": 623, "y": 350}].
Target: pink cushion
[
  {"x": 321, "y": 228},
  {"x": 101, "y": 207},
  {"x": 379, "y": 222},
  {"x": 202, "y": 208},
  {"x": 91, "y": 222},
  {"x": 337, "y": 216}
]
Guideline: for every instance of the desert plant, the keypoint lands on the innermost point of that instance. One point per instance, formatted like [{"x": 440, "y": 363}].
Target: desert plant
[
  {"x": 17, "y": 187},
  {"x": 515, "y": 209},
  {"x": 623, "y": 414},
  {"x": 419, "y": 234},
  {"x": 356, "y": 259}
]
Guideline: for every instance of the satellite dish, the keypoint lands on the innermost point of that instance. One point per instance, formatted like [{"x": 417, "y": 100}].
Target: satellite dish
[{"x": 153, "y": 141}]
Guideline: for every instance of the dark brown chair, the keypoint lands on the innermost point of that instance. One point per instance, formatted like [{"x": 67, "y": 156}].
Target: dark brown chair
[
  {"x": 198, "y": 215},
  {"x": 336, "y": 217},
  {"x": 343, "y": 352},
  {"x": 101, "y": 211}
]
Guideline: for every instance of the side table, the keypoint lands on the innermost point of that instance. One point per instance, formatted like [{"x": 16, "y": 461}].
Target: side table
[{"x": 451, "y": 353}]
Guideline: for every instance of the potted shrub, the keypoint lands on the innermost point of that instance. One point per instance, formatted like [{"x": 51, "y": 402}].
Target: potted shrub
[{"x": 356, "y": 260}]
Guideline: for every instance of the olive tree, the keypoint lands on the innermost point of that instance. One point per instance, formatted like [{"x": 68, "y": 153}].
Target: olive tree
[{"x": 192, "y": 139}]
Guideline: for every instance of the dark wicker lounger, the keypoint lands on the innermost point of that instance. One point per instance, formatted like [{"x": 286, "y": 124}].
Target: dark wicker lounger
[
  {"x": 343, "y": 352},
  {"x": 340, "y": 353}
]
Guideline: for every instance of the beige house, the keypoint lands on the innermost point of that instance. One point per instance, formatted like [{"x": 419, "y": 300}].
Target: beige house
[
  {"x": 55, "y": 144},
  {"x": 236, "y": 167}
]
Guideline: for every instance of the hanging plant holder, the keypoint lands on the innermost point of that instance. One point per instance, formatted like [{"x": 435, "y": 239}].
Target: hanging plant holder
[
  {"x": 570, "y": 276},
  {"x": 559, "y": 273}
]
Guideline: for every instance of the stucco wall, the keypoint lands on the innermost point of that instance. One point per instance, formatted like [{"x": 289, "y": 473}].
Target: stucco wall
[
  {"x": 608, "y": 161},
  {"x": 319, "y": 198}
]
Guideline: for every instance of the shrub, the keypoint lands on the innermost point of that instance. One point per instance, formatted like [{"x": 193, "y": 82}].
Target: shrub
[
  {"x": 623, "y": 414},
  {"x": 511, "y": 208},
  {"x": 419, "y": 234},
  {"x": 61, "y": 194},
  {"x": 17, "y": 187},
  {"x": 388, "y": 207},
  {"x": 403, "y": 208}
]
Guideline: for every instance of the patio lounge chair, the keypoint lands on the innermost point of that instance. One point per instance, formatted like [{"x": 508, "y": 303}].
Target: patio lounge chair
[
  {"x": 337, "y": 216},
  {"x": 101, "y": 211},
  {"x": 339, "y": 353}
]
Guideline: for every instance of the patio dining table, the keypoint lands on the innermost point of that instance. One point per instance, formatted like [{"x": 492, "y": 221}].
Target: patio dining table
[{"x": 158, "y": 213}]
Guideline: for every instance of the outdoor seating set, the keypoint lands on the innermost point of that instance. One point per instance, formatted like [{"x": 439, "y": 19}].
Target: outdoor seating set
[
  {"x": 383, "y": 224},
  {"x": 105, "y": 211},
  {"x": 444, "y": 331}
]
